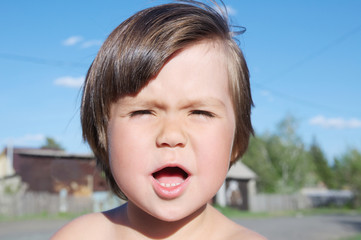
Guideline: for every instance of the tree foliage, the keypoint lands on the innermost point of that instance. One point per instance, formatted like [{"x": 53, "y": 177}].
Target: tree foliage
[
  {"x": 348, "y": 173},
  {"x": 51, "y": 143},
  {"x": 323, "y": 170},
  {"x": 257, "y": 158},
  {"x": 280, "y": 160},
  {"x": 284, "y": 164}
]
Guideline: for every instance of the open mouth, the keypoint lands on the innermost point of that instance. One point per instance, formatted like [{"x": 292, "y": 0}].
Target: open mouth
[{"x": 170, "y": 176}]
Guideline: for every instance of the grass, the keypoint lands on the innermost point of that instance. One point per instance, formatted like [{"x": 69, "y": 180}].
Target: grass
[
  {"x": 325, "y": 211},
  {"x": 356, "y": 237},
  {"x": 41, "y": 216},
  {"x": 236, "y": 213}
]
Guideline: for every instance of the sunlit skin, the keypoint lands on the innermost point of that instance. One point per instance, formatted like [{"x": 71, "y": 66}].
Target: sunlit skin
[
  {"x": 184, "y": 117},
  {"x": 169, "y": 148}
]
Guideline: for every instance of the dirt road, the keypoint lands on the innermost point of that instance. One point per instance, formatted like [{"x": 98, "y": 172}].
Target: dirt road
[{"x": 282, "y": 228}]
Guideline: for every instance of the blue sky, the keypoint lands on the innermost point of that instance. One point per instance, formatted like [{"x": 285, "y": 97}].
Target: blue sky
[{"x": 304, "y": 58}]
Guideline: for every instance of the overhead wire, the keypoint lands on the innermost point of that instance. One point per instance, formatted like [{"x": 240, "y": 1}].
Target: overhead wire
[
  {"x": 342, "y": 38},
  {"x": 301, "y": 62},
  {"x": 315, "y": 54},
  {"x": 43, "y": 61}
]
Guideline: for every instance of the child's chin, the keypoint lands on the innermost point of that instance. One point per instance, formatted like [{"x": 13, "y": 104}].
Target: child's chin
[
  {"x": 178, "y": 214},
  {"x": 170, "y": 218}
]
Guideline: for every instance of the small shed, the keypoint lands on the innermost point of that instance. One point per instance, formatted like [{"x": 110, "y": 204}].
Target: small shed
[
  {"x": 51, "y": 170},
  {"x": 238, "y": 188}
]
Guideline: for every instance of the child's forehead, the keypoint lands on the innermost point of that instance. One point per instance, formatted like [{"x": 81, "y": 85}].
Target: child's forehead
[
  {"x": 196, "y": 76},
  {"x": 196, "y": 57},
  {"x": 205, "y": 46},
  {"x": 201, "y": 62}
]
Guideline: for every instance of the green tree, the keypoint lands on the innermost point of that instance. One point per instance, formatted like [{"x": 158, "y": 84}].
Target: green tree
[
  {"x": 280, "y": 160},
  {"x": 337, "y": 169},
  {"x": 349, "y": 172},
  {"x": 288, "y": 154},
  {"x": 323, "y": 170},
  {"x": 258, "y": 160},
  {"x": 51, "y": 143}
]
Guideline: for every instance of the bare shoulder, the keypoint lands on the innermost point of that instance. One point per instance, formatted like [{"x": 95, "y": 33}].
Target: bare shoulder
[
  {"x": 90, "y": 226},
  {"x": 228, "y": 229},
  {"x": 234, "y": 231},
  {"x": 240, "y": 232}
]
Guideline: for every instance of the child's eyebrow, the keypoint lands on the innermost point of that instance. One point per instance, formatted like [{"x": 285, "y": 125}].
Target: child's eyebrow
[
  {"x": 184, "y": 104},
  {"x": 134, "y": 102},
  {"x": 203, "y": 102}
]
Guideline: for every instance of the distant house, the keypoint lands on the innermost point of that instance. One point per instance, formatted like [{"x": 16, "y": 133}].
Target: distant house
[
  {"x": 49, "y": 170},
  {"x": 238, "y": 188}
]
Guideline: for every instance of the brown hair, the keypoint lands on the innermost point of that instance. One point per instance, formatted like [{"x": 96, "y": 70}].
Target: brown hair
[{"x": 136, "y": 51}]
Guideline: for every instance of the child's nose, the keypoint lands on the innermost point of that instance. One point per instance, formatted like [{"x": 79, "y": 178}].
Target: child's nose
[{"x": 171, "y": 134}]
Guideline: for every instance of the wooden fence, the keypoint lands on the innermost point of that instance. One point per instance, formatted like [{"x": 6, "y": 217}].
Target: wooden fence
[
  {"x": 278, "y": 202},
  {"x": 30, "y": 203}
]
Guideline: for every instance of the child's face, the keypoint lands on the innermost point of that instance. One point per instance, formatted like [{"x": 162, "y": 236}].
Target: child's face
[{"x": 170, "y": 144}]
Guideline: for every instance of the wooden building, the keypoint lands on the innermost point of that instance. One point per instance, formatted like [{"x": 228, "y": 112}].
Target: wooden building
[
  {"x": 238, "y": 188},
  {"x": 49, "y": 170}
]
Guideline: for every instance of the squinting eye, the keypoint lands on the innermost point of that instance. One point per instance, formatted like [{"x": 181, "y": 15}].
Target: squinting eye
[
  {"x": 203, "y": 113},
  {"x": 140, "y": 112}
]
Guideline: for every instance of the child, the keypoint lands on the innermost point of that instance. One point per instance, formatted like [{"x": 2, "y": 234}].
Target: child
[{"x": 166, "y": 110}]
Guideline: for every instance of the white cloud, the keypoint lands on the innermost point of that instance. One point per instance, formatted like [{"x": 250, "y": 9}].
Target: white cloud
[
  {"x": 71, "y": 41},
  {"x": 91, "y": 43},
  {"x": 267, "y": 94},
  {"x": 338, "y": 123},
  {"x": 80, "y": 41},
  {"x": 26, "y": 140},
  {"x": 67, "y": 81}
]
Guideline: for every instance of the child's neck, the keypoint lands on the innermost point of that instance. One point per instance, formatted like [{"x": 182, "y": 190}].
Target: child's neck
[{"x": 153, "y": 228}]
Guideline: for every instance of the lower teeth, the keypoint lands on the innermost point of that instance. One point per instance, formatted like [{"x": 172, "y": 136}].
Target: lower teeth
[{"x": 169, "y": 184}]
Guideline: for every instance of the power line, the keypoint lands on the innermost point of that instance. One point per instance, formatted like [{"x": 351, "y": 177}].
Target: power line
[
  {"x": 300, "y": 101},
  {"x": 315, "y": 54},
  {"x": 301, "y": 62},
  {"x": 43, "y": 61}
]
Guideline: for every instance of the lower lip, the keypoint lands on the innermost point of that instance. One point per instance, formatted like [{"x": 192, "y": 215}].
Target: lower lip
[{"x": 169, "y": 193}]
